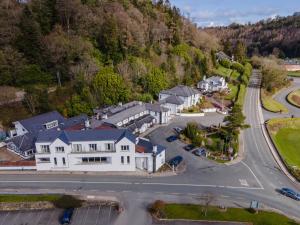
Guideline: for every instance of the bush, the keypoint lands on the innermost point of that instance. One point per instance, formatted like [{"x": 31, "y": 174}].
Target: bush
[
  {"x": 226, "y": 63},
  {"x": 238, "y": 67},
  {"x": 191, "y": 130},
  {"x": 68, "y": 201},
  {"x": 157, "y": 208}
]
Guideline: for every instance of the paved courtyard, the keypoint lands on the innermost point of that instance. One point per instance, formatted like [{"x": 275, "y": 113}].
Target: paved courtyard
[{"x": 99, "y": 215}]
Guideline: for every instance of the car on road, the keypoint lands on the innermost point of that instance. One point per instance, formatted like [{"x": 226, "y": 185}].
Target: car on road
[
  {"x": 290, "y": 193},
  {"x": 200, "y": 152},
  {"x": 189, "y": 147},
  {"x": 67, "y": 216},
  {"x": 175, "y": 161},
  {"x": 178, "y": 130},
  {"x": 172, "y": 138}
]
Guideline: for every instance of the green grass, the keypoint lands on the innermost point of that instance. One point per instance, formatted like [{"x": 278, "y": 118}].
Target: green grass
[
  {"x": 233, "y": 93},
  {"x": 272, "y": 105},
  {"x": 241, "y": 96},
  {"x": 235, "y": 75},
  {"x": 197, "y": 212},
  {"x": 29, "y": 198},
  {"x": 294, "y": 73},
  {"x": 222, "y": 71},
  {"x": 292, "y": 95}
]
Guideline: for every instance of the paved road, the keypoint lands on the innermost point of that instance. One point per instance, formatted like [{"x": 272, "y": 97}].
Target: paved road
[{"x": 256, "y": 177}]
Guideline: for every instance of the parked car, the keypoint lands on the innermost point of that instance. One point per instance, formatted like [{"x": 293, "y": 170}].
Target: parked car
[
  {"x": 178, "y": 130},
  {"x": 189, "y": 147},
  {"x": 172, "y": 138},
  {"x": 175, "y": 161},
  {"x": 290, "y": 193},
  {"x": 67, "y": 216},
  {"x": 200, "y": 152}
]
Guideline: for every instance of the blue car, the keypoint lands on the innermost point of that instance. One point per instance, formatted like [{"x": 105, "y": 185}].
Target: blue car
[
  {"x": 175, "y": 161},
  {"x": 200, "y": 152},
  {"x": 67, "y": 216},
  {"x": 172, "y": 138},
  {"x": 290, "y": 193}
]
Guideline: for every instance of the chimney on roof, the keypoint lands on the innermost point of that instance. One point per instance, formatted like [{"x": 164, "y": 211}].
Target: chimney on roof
[
  {"x": 87, "y": 124},
  {"x": 137, "y": 140},
  {"x": 154, "y": 149}
]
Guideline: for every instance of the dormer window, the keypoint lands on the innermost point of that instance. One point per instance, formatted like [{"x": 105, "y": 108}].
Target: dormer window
[{"x": 51, "y": 125}]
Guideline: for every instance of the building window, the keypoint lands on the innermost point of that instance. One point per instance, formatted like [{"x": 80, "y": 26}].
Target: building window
[
  {"x": 108, "y": 146},
  {"x": 91, "y": 160},
  {"x": 128, "y": 159},
  {"x": 60, "y": 149},
  {"x": 77, "y": 147},
  {"x": 51, "y": 124},
  {"x": 93, "y": 147},
  {"x": 44, "y": 160},
  {"x": 45, "y": 148},
  {"x": 122, "y": 159},
  {"x": 64, "y": 161},
  {"x": 55, "y": 161},
  {"x": 125, "y": 147}
]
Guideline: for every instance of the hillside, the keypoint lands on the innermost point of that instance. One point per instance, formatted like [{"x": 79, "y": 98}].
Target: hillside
[
  {"x": 279, "y": 36},
  {"x": 73, "y": 55}
]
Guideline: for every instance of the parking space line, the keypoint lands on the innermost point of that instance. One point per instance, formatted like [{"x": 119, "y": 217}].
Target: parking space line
[
  {"x": 4, "y": 218},
  {"x": 50, "y": 217},
  {"x": 99, "y": 210},
  {"x": 39, "y": 217},
  {"x": 15, "y": 217},
  {"x": 74, "y": 215},
  {"x": 109, "y": 214},
  {"x": 87, "y": 212}
]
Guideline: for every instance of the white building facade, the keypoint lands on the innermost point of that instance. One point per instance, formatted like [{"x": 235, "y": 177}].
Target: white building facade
[{"x": 213, "y": 84}]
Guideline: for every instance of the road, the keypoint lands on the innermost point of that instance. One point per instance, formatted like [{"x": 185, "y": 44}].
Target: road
[{"x": 254, "y": 178}]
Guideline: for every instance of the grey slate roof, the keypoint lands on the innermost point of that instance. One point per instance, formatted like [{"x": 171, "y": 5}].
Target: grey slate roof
[
  {"x": 181, "y": 90},
  {"x": 156, "y": 107},
  {"x": 138, "y": 123},
  {"x": 35, "y": 123},
  {"x": 173, "y": 99},
  {"x": 24, "y": 142},
  {"x": 148, "y": 146},
  {"x": 73, "y": 121},
  {"x": 85, "y": 135}
]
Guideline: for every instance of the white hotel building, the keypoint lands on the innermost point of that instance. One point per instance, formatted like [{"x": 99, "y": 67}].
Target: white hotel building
[{"x": 96, "y": 150}]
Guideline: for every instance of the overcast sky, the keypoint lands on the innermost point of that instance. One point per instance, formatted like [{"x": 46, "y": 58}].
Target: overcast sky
[{"x": 225, "y": 12}]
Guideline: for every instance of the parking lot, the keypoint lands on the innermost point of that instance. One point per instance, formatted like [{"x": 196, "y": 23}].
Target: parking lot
[{"x": 96, "y": 215}]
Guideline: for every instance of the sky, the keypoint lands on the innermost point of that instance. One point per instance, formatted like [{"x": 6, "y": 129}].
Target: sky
[{"x": 224, "y": 12}]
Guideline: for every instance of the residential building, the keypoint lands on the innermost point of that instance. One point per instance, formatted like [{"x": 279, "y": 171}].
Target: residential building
[
  {"x": 212, "y": 84},
  {"x": 222, "y": 56},
  {"x": 96, "y": 150},
  {"x": 178, "y": 98},
  {"x": 22, "y": 138}
]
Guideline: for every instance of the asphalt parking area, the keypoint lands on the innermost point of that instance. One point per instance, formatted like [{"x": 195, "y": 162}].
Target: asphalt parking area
[{"x": 96, "y": 215}]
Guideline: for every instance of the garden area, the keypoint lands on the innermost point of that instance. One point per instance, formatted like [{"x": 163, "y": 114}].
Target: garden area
[
  {"x": 285, "y": 133},
  {"x": 164, "y": 210},
  {"x": 294, "y": 98},
  {"x": 271, "y": 104}
]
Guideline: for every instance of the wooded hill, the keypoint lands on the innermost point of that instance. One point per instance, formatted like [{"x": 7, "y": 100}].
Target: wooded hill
[
  {"x": 279, "y": 36},
  {"x": 98, "y": 52}
]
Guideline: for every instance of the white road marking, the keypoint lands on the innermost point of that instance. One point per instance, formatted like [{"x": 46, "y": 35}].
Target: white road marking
[
  {"x": 244, "y": 182},
  {"x": 4, "y": 218},
  {"x": 98, "y": 214},
  {"x": 253, "y": 174}
]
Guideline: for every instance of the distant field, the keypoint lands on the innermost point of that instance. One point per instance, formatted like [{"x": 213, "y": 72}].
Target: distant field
[
  {"x": 197, "y": 212},
  {"x": 285, "y": 133},
  {"x": 271, "y": 104},
  {"x": 222, "y": 71},
  {"x": 294, "y": 73},
  {"x": 294, "y": 98}
]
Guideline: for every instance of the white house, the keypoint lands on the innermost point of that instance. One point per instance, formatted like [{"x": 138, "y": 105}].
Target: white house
[
  {"x": 95, "y": 150},
  {"x": 178, "y": 98},
  {"x": 212, "y": 84}
]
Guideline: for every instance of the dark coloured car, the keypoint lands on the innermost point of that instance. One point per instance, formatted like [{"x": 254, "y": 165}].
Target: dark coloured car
[
  {"x": 67, "y": 216},
  {"x": 172, "y": 138},
  {"x": 200, "y": 152},
  {"x": 176, "y": 161},
  {"x": 290, "y": 193},
  {"x": 189, "y": 147}
]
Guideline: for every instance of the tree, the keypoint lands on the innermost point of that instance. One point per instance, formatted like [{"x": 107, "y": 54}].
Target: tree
[
  {"x": 236, "y": 119},
  {"x": 32, "y": 74},
  {"x": 110, "y": 87},
  {"x": 240, "y": 51},
  {"x": 76, "y": 106},
  {"x": 154, "y": 81}
]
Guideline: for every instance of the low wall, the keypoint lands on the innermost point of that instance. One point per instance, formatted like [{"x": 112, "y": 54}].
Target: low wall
[
  {"x": 20, "y": 168},
  {"x": 292, "y": 67},
  {"x": 209, "y": 110},
  {"x": 191, "y": 114}
]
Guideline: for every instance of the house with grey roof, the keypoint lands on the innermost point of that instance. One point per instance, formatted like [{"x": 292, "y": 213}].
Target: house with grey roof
[
  {"x": 213, "y": 84},
  {"x": 178, "y": 98},
  {"x": 22, "y": 138},
  {"x": 96, "y": 150}
]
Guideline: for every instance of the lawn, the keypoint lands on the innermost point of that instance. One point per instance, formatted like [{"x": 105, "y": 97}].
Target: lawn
[
  {"x": 241, "y": 96},
  {"x": 285, "y": 133},
  {"x": 233, "y": 92},
  {"x": 294, "y": 98},
  {"x": 197, "y": 212},
  {"x": 29, "y": 198},
  {"x": 222, "y": 71},
  {"x": 270, "y": 104},
  {"x": 294, "y": 73},
  {"x": 235, "y": 75}
]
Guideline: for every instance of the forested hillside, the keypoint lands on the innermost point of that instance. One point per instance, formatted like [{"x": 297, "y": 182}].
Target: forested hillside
[
  {"x": 279, "y": 36},
  {"x": 73, "y": 55}
]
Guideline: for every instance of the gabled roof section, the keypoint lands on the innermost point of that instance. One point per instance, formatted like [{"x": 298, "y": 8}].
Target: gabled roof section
[
  {"x": 156, "y": 107},
  {"x": 24, "y": 142},
  {"x": 181, "y": 90},
  {"x": 74, "y": 123},
  {"x": 173, "y": 99},
  {"x": 36, "y": 123},
  {"x": 146, "y": 146}
]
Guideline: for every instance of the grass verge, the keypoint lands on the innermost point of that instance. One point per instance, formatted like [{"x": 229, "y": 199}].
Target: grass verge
[
  {"x": 198, "y": 212},
  {"x": 294, "y": 98},
  {"x": 270, "y": 104},
  {"x": 294, "y": 73},
  {"x": 285, "y": 133},
  {"x": 241, "y": 96},
  {"x": 233, "y": 92},
  {"x": 222, "y": 71}
]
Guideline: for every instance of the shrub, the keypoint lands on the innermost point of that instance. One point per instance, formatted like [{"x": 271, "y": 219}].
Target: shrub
[
  {"x": 238, "y": 67},
  {"x": 68, "y": 201},
  {"x": 157, "y": 208},
  {"x": 226, "y": 63}
]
